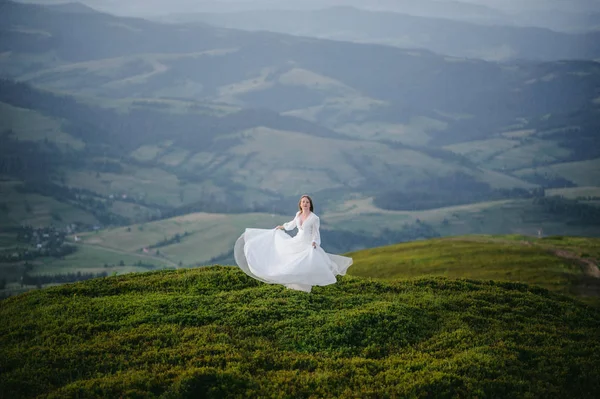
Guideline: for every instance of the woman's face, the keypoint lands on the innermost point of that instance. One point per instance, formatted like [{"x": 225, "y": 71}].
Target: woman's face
[{"x": 305, "y": 204}]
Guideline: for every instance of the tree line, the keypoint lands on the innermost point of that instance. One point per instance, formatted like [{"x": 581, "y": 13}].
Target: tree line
[
  {"x": 575, "y": 211},
  {"x": 456, "y": 189}
]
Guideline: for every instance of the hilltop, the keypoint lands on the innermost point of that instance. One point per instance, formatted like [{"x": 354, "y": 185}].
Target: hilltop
[
  {"x": 214, "y": 332},
  {"x": 568, "y": 265}
]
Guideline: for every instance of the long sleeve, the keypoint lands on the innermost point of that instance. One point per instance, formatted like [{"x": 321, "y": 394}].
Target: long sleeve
[
  {"x": 316, "y": 235},
  {"x": 291, "y": 225}
]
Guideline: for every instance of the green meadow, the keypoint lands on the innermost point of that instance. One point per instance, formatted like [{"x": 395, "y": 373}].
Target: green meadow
[
  {"x": 562, "y": 264},
  {"x": 214, "y": 332},
  {"x": 202, "y": 236}
]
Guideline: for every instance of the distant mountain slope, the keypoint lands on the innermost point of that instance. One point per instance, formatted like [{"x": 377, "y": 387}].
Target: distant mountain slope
[
  {"x": 214, "y": 332},
  {"x": 462, "y": 10},
  {"x": 185, "y": 118},
  {"x": 179, "y": 160},
  {"x": 332, "y": 83},
  {"x": 444, "y": 36}
]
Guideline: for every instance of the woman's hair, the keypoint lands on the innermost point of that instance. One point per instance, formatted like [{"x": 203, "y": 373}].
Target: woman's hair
[{"x": 309, "y": 200}]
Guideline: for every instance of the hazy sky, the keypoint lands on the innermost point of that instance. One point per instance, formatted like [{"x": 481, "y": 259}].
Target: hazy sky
[{"x": 175, "y": 6}]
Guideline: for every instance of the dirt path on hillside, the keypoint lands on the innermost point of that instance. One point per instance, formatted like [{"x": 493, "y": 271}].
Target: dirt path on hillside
[{"x": 590, "y": 268}]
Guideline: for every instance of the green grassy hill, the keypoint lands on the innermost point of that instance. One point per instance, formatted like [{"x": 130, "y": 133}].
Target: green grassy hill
[
  {"x": 215, "y": 333},
  {"x": 563, "y": 264}
]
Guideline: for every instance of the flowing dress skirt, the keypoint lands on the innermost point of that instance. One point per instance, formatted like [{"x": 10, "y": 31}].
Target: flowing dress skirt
[{"x": 272, "y": 256}]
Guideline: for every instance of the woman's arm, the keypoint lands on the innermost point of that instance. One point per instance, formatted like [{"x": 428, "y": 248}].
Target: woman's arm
[
  {"x": 316, "y": 235},
  {"x": 291, "y": 225}
]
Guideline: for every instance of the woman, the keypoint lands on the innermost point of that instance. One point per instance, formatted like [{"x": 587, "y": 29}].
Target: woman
[{"x": 298, "y": 262}]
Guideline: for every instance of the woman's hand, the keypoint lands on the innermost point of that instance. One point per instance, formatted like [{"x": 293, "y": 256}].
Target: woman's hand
[
  {"x": 314, "y": 244},
  {"x": 279, "y": 227}
]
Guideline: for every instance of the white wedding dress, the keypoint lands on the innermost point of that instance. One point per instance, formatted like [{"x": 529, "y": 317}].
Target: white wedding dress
[{"x": 272, "y": 256}]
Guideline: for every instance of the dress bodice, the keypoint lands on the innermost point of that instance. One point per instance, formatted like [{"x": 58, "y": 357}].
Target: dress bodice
[{"x": 308, "y": 230}]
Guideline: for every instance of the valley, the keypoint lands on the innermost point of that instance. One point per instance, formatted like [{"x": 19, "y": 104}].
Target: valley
[{"x": 179, "y": 136}]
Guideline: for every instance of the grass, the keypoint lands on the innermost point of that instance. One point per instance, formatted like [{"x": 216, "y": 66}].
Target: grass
[
  {"x": 214, "y": 332},
  {"x": 480, "y": 150},
  {"x": 209, "y": 235},
  {"x": 503, "y": 258},
  {"x": 92, "y": 259},
  {"x": 147, "y": 152},
  {"x": 327, "y": 163},
  {"x": 509, "y": 153},
  {"x": 415, "y": 132},
  {"x": 153, "y": 185},
  {"x": 304, "y": 77},
  {"x": 174, "y": 158},
  {"x": 523, "y": 156},
  {"x": 136, "y": 213},
  {"x": 28, "y": 125},
  {"x": 37, "y": 210},
  {"x": 335, "y": 111},
  {"x": 87, "y": 259}
]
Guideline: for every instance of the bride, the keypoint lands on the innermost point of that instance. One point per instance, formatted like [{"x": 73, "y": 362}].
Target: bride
[{"x": 298, "y": 262}]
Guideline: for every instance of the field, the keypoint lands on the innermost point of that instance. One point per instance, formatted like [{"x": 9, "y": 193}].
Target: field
[
  {"x": 37, "y": 210},
  {"x": 214, "y": 332},
  {"x": 493, "y": 217},
  {"x": 28, "y": 125},
  {"x": 200, "y": 238},
  {"x": 415, "y": 132},
  {"x": 274, "y": 160},
  {"x": 203, "y": 236},
  {"x": 582, "y": 173},
  {"x": 562, "y": 264},
  {"x": 152, "y": 185}
]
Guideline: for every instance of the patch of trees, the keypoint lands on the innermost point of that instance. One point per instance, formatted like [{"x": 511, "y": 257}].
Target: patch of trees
[
  {"x": 457, "y": 189},
  {"x": 81, "y": 198},
  {"x": 232, "y": 203},
  {"x": 27, "y": 159},
  {"x": 176, "y": 239},
  {"x": 576, "y": 130},
  {"x": 148, "y": 266},
  {"x": 574, "y": 211},
  {"x": 434, "y": 152},
  {"x": 19, "y": 254},
  {"x": 547, "y": 181},
  {"x": 340, "y": 241},
  {"x": 37, "y": 243}
]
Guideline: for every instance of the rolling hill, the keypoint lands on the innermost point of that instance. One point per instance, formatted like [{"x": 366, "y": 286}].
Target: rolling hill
[
  {"x": 563, "y": 264},
  {"x": 214, "y": 332}
]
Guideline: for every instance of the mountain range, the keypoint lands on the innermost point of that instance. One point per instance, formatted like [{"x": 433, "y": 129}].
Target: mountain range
[
  {"x": 191, "y": 117},
  {"x": 441, "y": 35}
]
